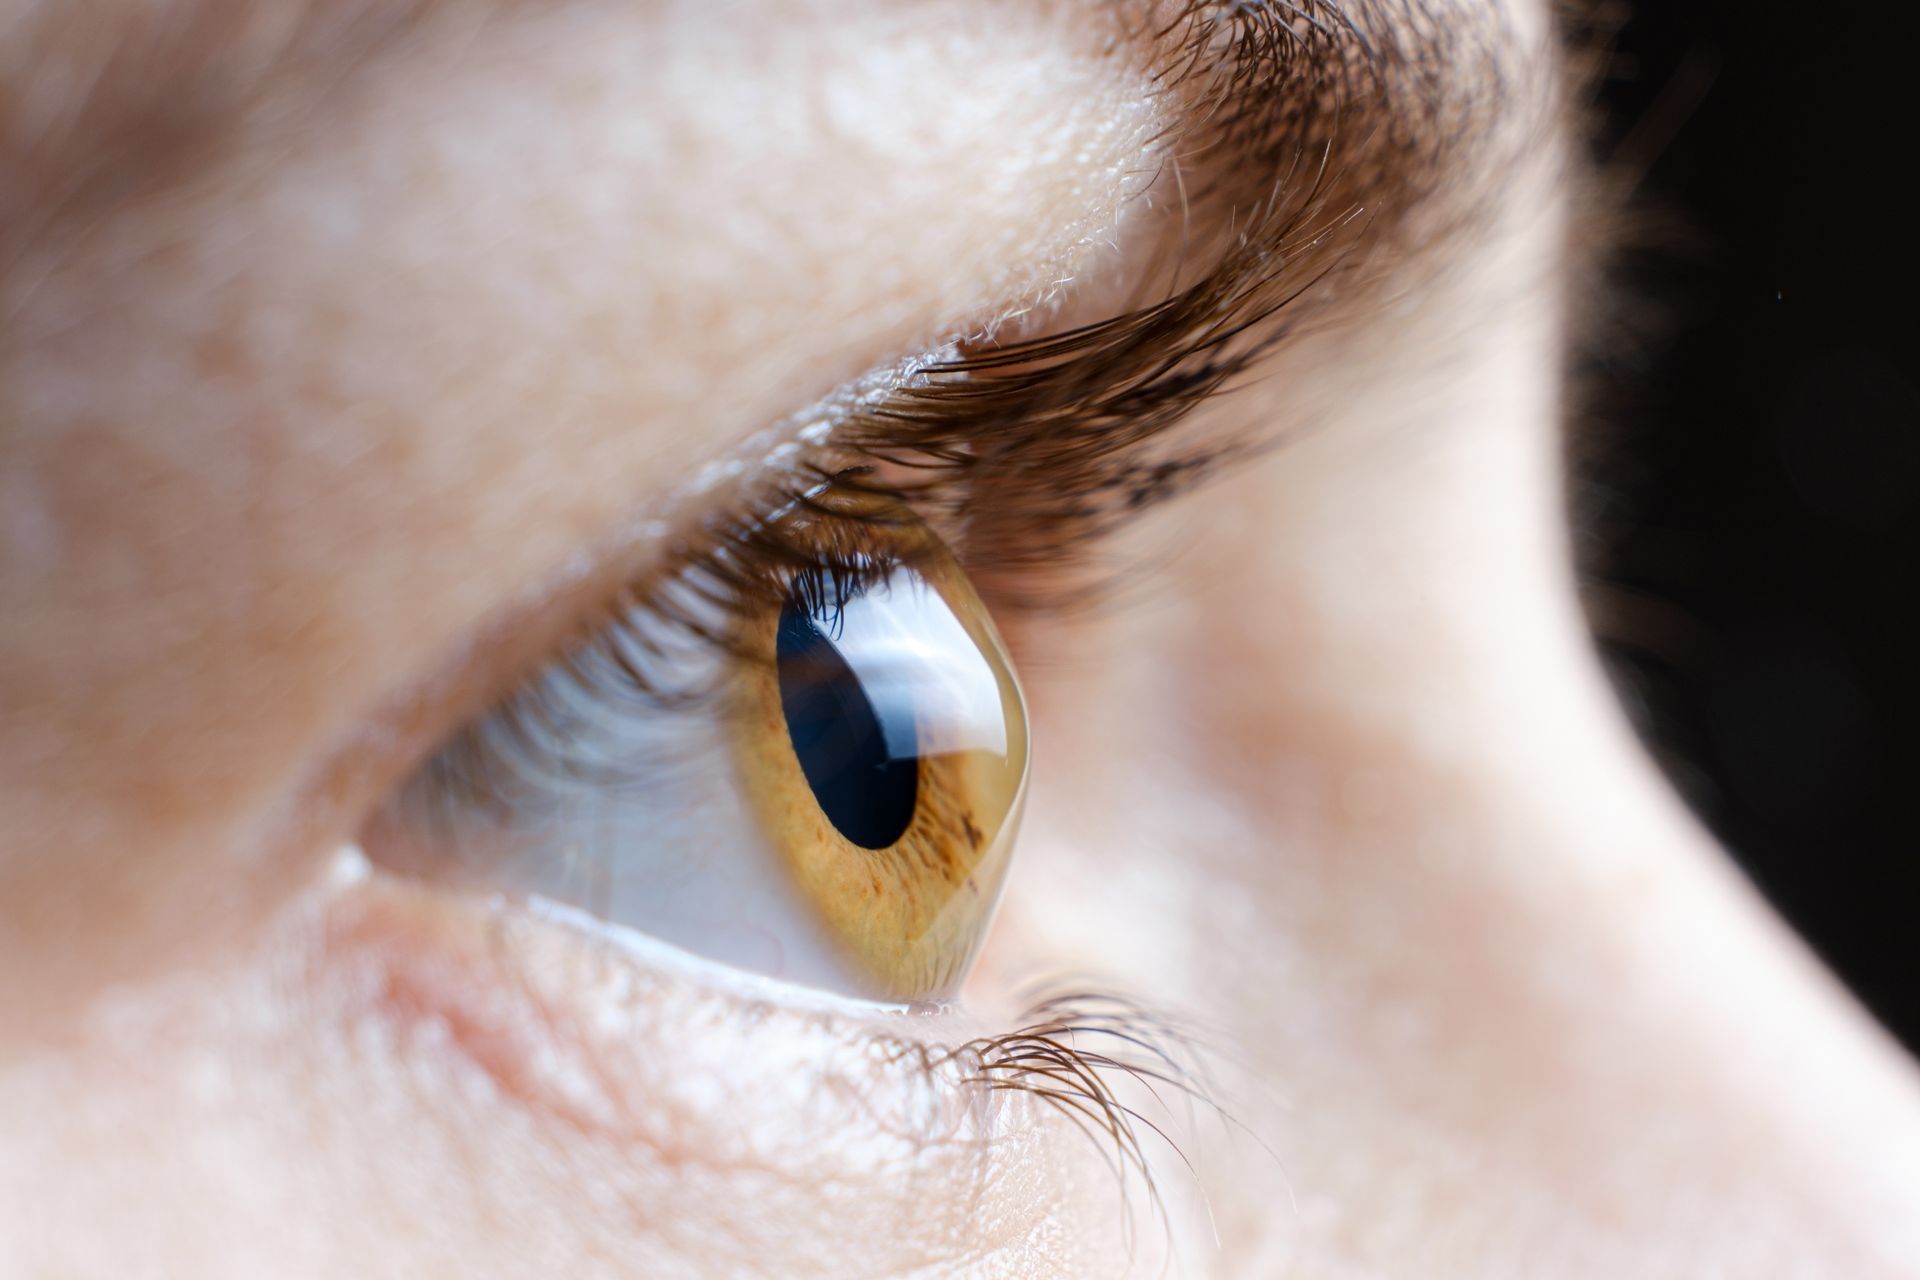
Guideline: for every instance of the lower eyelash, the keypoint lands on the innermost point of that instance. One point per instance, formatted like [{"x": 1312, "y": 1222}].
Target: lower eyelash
[{"x": 1051, "y": 1058}]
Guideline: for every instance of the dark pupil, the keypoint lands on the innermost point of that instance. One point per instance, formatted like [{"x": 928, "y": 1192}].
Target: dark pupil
[{"x": 865, "y": 791}]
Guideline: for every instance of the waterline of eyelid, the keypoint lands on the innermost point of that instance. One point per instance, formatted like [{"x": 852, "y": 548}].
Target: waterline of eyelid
[
  {"x": 655, "y": 953},
  {"x": 976, "y": 1073}
]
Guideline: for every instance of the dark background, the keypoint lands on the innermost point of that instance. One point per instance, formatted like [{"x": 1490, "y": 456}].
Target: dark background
[{"x": 1748, "y": 481}]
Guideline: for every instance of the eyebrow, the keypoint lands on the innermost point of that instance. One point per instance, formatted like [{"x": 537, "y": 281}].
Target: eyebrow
[{"x": 1318, "y": 149}]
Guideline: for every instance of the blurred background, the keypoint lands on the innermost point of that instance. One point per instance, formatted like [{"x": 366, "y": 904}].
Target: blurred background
[{"x": 1749, "y": 481}]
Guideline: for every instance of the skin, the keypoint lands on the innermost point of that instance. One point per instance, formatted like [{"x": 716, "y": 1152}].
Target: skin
[{"x": 322, "y": 419}]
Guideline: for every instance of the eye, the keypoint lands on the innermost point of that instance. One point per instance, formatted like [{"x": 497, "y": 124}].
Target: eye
[{"x": 806, "y": 763}]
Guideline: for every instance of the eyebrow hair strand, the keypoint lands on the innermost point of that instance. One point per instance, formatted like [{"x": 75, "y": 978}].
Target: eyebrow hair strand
[{"x": 1321, "y": 130}]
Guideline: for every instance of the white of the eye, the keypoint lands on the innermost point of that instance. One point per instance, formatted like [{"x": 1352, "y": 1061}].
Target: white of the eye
[
  {"x": 673, "y": 853},
  {"x": 932, "y": 689}
]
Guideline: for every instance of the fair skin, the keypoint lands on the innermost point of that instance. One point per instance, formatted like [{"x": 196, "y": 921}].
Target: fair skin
[{"x": 333, "y": 401}]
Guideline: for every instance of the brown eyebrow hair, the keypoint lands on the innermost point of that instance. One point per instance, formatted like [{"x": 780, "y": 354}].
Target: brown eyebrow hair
[{"x": 1320, "y": 148}]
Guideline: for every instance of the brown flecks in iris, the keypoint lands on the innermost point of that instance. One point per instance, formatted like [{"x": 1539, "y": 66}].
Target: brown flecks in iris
[{"x": 945, "y": 813}]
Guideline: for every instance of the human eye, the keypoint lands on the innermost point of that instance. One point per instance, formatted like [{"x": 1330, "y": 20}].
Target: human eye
[
  {"x": 791, "y": 739},
  {"x": 800, "y": 754},
  {"x": 839, "y": 638}
]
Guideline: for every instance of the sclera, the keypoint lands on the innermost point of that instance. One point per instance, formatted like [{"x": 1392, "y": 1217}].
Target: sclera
[{"x": 908, "y": 918}]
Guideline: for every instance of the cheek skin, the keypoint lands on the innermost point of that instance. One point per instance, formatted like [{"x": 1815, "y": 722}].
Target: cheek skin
[{"x": 471, "y": 1095}]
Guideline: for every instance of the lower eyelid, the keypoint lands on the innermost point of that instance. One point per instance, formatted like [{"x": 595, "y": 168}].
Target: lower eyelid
[
  {"x": 657, "y": 1084},
  {"x": 676, "y": 1104},
  {"x": 665, "y": 1103},
  {"x": 560, "y": 1023}
]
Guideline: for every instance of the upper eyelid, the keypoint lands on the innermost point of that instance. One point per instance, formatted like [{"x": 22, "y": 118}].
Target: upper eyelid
[
  {"x": 1275, "y": 108},
  {"x": 1068, "y": 413},
  {"x": 1062, "y": 426}
]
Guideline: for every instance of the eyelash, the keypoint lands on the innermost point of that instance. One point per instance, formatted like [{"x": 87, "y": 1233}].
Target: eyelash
[
  {"x": 703, "y": 588},
  {"x": 1052, "y": 1059},
  {"x": 1023, "y": 455}
]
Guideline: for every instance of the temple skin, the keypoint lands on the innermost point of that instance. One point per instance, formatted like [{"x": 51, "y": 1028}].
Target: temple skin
[{"x": 1491, "y": 1005}]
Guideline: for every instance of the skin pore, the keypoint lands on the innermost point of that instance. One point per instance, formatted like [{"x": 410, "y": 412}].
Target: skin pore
[{"x": 343, "y": 382}]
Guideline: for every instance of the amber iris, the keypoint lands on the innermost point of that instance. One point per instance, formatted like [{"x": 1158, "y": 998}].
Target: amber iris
[{"x": 882, "y": 745}]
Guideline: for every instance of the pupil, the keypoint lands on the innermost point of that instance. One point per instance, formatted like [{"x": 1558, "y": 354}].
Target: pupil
[{"x": 867, "y": 792}]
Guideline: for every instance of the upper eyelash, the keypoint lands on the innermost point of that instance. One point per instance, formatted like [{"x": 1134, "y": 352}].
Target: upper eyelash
[
  {"x": 824, "y": 544},
  {"x": 1037, "y": 448}
]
